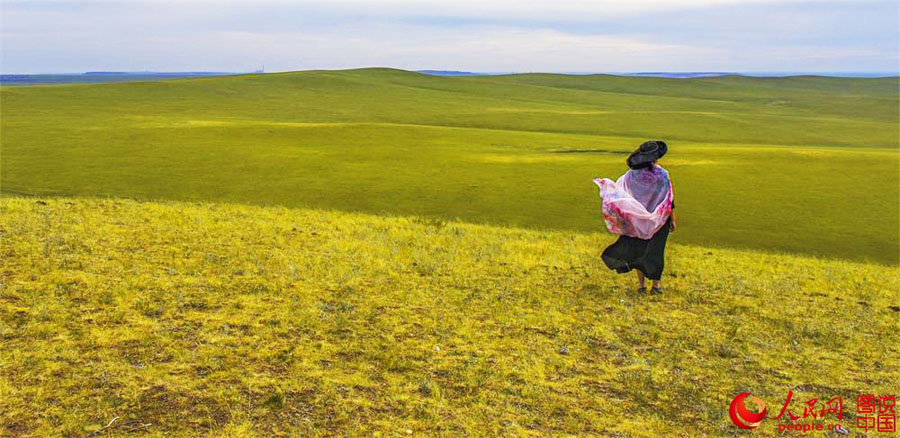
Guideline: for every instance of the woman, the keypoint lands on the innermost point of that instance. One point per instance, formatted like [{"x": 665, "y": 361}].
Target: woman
[{"x": 638, "y": 207}]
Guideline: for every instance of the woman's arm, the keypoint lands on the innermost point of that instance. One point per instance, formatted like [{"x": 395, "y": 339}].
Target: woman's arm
[{"x": 672, "y": 227}]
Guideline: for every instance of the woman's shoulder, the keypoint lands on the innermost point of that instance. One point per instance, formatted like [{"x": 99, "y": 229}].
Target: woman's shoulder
[{"x": 659, "y": 170}]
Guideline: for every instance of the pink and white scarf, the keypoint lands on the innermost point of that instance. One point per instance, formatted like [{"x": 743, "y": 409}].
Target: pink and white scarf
[{"x": 638, "y": 203}]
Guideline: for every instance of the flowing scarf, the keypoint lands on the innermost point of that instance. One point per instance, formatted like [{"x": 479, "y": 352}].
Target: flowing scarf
[{"x": 638, "y": 203}]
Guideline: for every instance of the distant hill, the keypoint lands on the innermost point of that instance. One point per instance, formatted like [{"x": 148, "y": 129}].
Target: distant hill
[
  {"x": 95, "y": 77},
  {"x": 680, "y": 75},
  {"x": 653, "y": 74},
  {"x": 685, "y": 75},
  {"x": 449, "y": 73}
]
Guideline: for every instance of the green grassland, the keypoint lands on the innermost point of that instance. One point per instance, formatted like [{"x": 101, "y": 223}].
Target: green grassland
[
  {"x": 804, "y": 165},
  {"x": 186, "y": 319}
]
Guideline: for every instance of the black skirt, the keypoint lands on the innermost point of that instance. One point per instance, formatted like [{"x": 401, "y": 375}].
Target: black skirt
[{"x": 647, "y": 256}]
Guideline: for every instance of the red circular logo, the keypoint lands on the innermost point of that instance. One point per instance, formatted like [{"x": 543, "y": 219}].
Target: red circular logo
[{"x": 742, "y": 417}]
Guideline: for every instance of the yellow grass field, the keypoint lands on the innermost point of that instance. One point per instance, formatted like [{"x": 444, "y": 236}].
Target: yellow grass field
[{"x": 184, "y": 319}]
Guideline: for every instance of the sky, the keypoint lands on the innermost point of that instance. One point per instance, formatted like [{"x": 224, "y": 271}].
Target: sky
[{"x": 481, "y": 36}]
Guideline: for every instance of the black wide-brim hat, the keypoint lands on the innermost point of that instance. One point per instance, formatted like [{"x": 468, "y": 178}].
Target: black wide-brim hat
[{"x": 648, "y": 152}]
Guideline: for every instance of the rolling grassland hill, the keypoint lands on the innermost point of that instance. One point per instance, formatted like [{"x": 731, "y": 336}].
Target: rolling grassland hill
[{"x": 807, "y": 165}]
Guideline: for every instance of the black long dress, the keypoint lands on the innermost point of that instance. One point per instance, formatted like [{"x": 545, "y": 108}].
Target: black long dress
[{"x": 647, "y": 256}]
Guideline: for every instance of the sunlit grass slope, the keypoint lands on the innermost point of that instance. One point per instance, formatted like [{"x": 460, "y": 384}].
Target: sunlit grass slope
[
  {"x": 193, "y": 319},
  {"x": 804, "y": 164}
]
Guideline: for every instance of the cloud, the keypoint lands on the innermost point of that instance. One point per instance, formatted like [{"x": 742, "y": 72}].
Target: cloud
[{"x": 504, "y": 35}]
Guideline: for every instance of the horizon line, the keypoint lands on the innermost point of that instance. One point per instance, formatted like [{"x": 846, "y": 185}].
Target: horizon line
[{"x": 472, "y": 72}]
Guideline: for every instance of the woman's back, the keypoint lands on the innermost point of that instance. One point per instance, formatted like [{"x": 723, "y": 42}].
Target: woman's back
[
  {"x": 649, "y": 185},
  {"x": 638, "y": 203}
]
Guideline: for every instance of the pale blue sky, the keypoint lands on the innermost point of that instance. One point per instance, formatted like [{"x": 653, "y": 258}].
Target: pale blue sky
[{"x": 486, "y": 36}]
